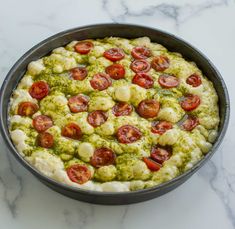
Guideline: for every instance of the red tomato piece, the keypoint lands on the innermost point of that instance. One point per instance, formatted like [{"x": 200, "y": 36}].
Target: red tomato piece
[
  {"x": 168, "y": 81},
  {"x": 72, "y": 130},
  {"x": 78, "y": 173},
  {"x": 190, "y": 123},
  {"x": 152, "y": 165},
  {"x": 140, "y": 66},
  {"x": 194, "y": 80},
  {"x": 78, "y": 103},
  {"x": 190, "y": 102},
  {"x": 115, "y": 71},
  {"x": 45, "y": 140},
  {"x": 97, "y": 118},
  {"x": 141, "y": 52},
  {"x": 160, "y": 154},
  {"x": 122, "y": 109},
  {"x": 143, "y": 80},
  {"x": 128, "y": 134},
  {"x": 79, "y": 73},
  {"x": 160, "y": 127},
  {"x": 101, "y": 81},
  {"x": 160, "y": 63},
  {"x": 114, "y": 54},
  {"x": 27, "y": 108},
  {"x": 83, "y": 47},
  {"x": 42, "y": 123},
  {"x": 102, "y": 157},
  {"x": 148, "y": 108},
  {"x": 39, "y": 90}
]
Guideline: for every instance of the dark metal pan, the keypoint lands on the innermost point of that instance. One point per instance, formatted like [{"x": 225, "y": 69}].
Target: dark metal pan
[{"x": 100, "y": 31}]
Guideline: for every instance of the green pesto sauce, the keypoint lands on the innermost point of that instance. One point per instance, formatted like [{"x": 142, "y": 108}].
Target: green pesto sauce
[{"x": 129, "y": 165}]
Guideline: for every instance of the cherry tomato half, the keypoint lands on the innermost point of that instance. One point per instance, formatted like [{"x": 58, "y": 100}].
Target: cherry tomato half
[
  {"x": 83, "y": 47},
  {"x": 42, "y": 123},
  {"x": 103, "y": 157},
  {"x": 78, "y": 103},
  {"x": 140, "y": 66},
  {"x": 79, "y": 73},
  {"x": 116, "y": 71},
  {"x": 160, "y": 127},
  {"x": 78, "y": 173},
  {"x": 190, "y": 102},
  {"x": 27, "y": 108},
  {"x": 190, "y": 123},
  {"x": 168, "y": 81},
  {"x": 141, "y": 52},
  {"x": 143, "y": 80},
  {"x": 194, "y": 80},
  {"x": 148, "y": 108},
  {"x": 45, "y": 140},
  {"x": 39, "y": 90},
  {"x": 152, "y": 165},
  {"x": 128, "y": 134},
  {"x": 97, "y": 118},
  {"x": 160, "y": 154},
  {"x": 160, "y": 63},
  {"x": 101, "y": 81},
  {"x": 72, "y": 130},
  {"x": 122, "y": 109},
  {"x": 114, "y": 54}
]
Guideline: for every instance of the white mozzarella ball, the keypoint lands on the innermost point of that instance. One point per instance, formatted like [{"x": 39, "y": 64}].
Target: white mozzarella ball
[
  {"x": 18, "y": 136},
  {"x": 36, "y": 67},
  {"x": 107, "y": 128},
  {"x": 123, "y": 93},
  {"x": 26, "y": 82},
  {"x": 86, "y": 151}
]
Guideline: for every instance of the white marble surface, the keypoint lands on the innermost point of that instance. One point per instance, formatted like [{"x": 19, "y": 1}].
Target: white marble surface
[{"x": 207, "y": 200}]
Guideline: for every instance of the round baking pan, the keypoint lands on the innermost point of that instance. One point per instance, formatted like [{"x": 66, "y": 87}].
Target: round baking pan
[{"x": 172, "y": 43}]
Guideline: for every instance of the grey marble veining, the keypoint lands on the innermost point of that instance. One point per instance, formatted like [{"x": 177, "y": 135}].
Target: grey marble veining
[
  {"x": 175, "y": 11},
  {"x": 207, "y": 200}
]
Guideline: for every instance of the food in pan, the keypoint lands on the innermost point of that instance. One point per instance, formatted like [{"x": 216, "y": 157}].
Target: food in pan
[{"x": 113, "y": 114}]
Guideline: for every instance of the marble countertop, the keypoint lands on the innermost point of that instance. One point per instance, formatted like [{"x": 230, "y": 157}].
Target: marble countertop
[{"x": 205, "y": 201}]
